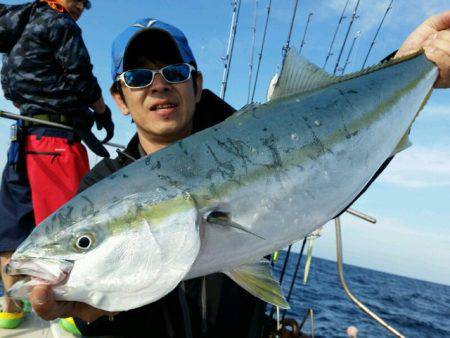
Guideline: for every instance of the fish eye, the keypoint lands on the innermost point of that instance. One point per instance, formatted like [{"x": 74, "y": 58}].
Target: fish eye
[{"x": 84, "y": 242}]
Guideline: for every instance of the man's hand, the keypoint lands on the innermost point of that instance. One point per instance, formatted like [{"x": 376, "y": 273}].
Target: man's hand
[
  {"x": 434, "y": 37},
  {"x": 44, "y": 304},
  {"x": 104, "y": 120}
]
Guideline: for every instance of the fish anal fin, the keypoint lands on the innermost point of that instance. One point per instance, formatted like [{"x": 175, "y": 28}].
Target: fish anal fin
[
  {"x": 257, "y": 279},
  {"x": 404, "y": 144}
]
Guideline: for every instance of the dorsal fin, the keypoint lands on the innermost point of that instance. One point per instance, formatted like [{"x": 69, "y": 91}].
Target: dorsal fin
[{"x": 298, "y": 75}]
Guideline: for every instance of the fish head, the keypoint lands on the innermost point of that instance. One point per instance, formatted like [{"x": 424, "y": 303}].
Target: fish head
[{"x": 127, "y": 254}]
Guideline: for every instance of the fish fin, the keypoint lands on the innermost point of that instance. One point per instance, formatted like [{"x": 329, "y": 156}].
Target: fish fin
[
  {"x": 222, "y": 218},
  {"x": 298, "y": 75},
  {"x": 404, "y": 144},
  {"x": 272, "y": 86},
  {"x": 257, "y": 278}
]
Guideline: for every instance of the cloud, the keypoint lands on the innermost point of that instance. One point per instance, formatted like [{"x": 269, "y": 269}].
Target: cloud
[
  {"x": 390, "y": 245},
  {"x": 419, "y": 167},
  {"x": 436, "y": 111}
]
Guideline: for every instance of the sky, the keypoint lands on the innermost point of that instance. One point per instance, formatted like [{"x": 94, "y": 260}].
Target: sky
[{"x": 409, "y": 200}]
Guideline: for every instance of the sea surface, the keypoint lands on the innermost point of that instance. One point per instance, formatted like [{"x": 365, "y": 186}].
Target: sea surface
[{"x": 413, "y": 307}]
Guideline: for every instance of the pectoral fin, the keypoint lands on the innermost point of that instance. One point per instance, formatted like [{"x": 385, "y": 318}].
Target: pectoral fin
[
  {"x": 257, "y": 278},
  {"x": 224, "y": 219}
]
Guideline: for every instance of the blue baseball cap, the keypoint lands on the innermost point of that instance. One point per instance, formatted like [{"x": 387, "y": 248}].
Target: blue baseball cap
[{"x": 131, "y": 33}]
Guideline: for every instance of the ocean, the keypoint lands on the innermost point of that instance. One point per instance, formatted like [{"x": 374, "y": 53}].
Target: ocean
[{"x": 413, "y": 307}]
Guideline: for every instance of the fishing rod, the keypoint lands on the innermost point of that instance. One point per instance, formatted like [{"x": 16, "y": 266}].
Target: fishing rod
[
  {"x": 354, "y": 17},
  {"x": 283, "y": 271},
  {"x": 231, "y": 38},
  {"x": 250, "y": 65},
  {"x": 269, "y": 6},
  {"x": 286, "y": 259},
  {"x": 17, "y": 117},
  {"x": 288, "y": 42},
  {"x": 335, "y": 34},
  {"x": 376, "y": 34},
  {"x": 304, "y": 33},
  {"x": 347, "y": 60},
  {"x": 294, "y": 277}
]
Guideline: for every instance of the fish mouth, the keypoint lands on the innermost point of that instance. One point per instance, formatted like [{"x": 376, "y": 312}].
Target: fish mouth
[{"x": 40, "y": 270}]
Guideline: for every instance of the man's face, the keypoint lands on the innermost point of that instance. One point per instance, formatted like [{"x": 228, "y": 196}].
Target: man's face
[
  {"x": 163, "y": 111},
  {"x": 74, "y": 7}
]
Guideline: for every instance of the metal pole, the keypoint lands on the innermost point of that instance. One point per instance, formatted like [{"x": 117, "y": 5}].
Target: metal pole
[
  {"x": 347, "y": 291},
  {"x": 354, "y": 17},
  {"x": 17, "y": 117},
  {"x": 288, "y": 42},
  {"x": 261, "y": 50},
  {"x": 304, "y": 34},
  {"x": 361, "y": 215},
  {"x": 347, "y": 60},
  {"x": 376, "y": 34},
  {"x": 227, "y": 59},
  {"x": 335, "y": 34},
  {"x": 250, "y": 65}
]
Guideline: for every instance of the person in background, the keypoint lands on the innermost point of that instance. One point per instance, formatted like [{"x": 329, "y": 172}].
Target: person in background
[
  {"x": 47, "y": 74},
  {"x": 167, "y": 103},
  {"x": 352, "y": 332}
]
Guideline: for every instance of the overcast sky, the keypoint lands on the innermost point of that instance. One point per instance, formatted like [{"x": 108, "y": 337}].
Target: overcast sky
[{"x": 410, "y": 200}]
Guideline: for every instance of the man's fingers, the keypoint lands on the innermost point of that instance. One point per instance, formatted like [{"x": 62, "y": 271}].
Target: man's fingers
[
  {"x": 44, "y": 303},
  {"x": 440, "y": 44},
  {"x": 439, "y": 22},
  {"x": 442, "y": 60}
]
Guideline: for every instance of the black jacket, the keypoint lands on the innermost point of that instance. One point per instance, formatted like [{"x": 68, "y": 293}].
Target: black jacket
[
  {"x": 49, "y": 71},
  {"x": 230, "y": 310}
]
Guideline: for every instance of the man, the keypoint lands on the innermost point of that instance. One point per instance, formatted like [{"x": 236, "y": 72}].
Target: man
[
  {"x": 163, "y": 109},
  {"x": 161, "y": 89},
  {"x": 48, "y": 75}
]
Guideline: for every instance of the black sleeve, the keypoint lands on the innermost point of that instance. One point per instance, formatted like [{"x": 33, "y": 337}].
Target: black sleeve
[{"x": 73, "y": 57}]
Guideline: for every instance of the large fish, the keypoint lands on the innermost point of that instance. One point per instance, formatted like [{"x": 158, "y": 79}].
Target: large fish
[{"x": 223, "y": 198}]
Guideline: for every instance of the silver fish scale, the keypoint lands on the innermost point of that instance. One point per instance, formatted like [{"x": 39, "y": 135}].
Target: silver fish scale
[
  {"x": 280, "y": 169},
  {"x": 252, "y": 166}
]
